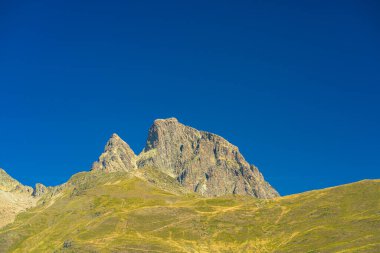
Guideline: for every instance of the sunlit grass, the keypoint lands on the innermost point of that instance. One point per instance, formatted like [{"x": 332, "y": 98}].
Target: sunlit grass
[{"x": 124, "y": 213}]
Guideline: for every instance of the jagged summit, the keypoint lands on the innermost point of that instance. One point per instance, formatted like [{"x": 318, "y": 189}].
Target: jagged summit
[
  {"x": 160, "y": 127},
  {"x": 201, "y": 161},
  {"x": 117, "y": 156},
  {"x": 172, "y": 126},
  {"x": 113, "y": 141},
  {"x": 115, "y": 136},
  {"x": 171, "y": 119}
]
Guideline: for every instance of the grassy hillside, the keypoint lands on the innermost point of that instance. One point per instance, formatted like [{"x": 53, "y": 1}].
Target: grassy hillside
[{"x": 125, "y": 213}]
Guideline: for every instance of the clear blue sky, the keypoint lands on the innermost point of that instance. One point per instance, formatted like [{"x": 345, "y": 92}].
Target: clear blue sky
[{"x": 294, "y": 84}]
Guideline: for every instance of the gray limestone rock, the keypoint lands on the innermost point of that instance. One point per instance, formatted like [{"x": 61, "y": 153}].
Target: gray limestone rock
[
  {"x": 203, "y": 162},
  {"x": 117, "y": 156},
  {"x": 200, "y": 161},
  {"x": 39, "y": 190}
]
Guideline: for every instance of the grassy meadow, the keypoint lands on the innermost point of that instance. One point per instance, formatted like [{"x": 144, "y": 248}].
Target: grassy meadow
[{"x": 150, "y": 212}]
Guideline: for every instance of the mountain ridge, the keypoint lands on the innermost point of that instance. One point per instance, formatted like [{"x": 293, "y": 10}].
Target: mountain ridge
[
  {"x": 220, "y": 168},
  {"x": 201, "y": 161},
  {"x": 14, "y": 197}
]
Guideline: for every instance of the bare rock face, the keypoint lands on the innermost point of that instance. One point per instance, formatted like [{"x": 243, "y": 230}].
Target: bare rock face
[
  {"x": 202, "y": 162},
  {"x": 14, "y": 198},
  {"x": 117, "y": 156},
  {"x": 39, "y": 190}
]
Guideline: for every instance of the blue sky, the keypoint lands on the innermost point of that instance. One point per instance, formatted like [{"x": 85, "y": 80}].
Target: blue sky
[{"x": 294, "y": 84}]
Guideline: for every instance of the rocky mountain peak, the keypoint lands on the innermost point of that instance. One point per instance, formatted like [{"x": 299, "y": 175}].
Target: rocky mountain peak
[
  {"x": 117, "y": 156},
  {"x": 114, "y": 142},
  {"x": 201, "y": 161},
  {"x": 166, "y": 121},
  {"x": 163, "y": 130}
]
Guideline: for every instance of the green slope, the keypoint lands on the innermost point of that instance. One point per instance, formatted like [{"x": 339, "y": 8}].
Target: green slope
[{"x": 126, "y": 213}]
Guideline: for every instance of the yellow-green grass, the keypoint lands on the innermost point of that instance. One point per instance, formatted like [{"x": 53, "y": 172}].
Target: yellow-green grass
[{"x": 126, "y": 213}]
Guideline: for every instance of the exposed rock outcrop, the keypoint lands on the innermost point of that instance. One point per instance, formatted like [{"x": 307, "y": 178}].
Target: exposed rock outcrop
[
  {"x": 203, "y": 162},
  {"x": 117, "y": 156},
  {"x": 39, "y": 190},
  {"x": 200, "y": 161},
  {"x": 14, "y": 198}
]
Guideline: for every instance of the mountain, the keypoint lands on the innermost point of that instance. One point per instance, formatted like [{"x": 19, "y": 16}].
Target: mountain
[
  {"x": 149, "y": 211},
  {"x": 187, "y": 191},
  {"x": 9, "y": 184},
  {"x": 14, "y": 198},
  {"x": 117, "y": 156},
  {"x": 201, "y": 161}
]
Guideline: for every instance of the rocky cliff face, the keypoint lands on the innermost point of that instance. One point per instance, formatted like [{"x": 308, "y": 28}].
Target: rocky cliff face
[
  {"x": 117, "y": 156},
  {"x": 40, "y": 190},
  {"x": 201, "y": 161}
]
